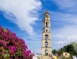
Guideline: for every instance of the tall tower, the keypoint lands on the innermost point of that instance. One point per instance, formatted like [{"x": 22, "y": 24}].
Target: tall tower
[{"x": 46, "y": 36}]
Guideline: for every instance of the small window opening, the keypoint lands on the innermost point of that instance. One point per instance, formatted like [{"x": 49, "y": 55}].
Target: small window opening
[
  {"x": 46, "y": 16},
  {"x": 46, "y": 24},
  {"x": 46, "y": 30},
  {"x": 46, "y": 37}
]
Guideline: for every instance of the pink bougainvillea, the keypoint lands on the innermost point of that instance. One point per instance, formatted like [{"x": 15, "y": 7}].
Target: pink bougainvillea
[{"x": 12, "y": 47}]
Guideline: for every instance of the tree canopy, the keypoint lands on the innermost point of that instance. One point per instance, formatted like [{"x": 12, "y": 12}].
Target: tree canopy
[{"x": 71, "y": 48}]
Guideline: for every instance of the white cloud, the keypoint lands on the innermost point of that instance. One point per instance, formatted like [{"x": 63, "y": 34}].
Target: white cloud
[
  {"x": 66, "y": 32},
  {"x": 69, "y": 34},
  {"x": 64, "y": 17},
  {"x": 68, "y": 5},
  {"x": 60, "y": 42},
  {"x": 59, "y": 35},
  {"x": 24, "y": 13}
]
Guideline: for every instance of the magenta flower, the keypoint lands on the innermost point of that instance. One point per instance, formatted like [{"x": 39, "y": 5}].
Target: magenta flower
[
  {"x": 13, "y": 48},
  {"x": 5, "y": 45},
  {"x": 11, "y": 45},
  {"x": 1, "y": 41},
  {"x": 17, "y": 58}
]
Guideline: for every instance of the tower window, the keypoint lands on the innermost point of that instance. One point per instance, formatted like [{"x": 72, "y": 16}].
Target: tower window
[
  {"x": 46, "y": 30},
  {"x": 46, "y": 24},
  {"x": 46, "y": 16},
  {"x": 46, "y": 44},
  {"x": 46, "y": 52},
  {"x": 46, "y": 37}
]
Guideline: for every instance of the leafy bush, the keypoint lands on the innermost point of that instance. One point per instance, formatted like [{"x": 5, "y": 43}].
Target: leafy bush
[{"x": 12, "y": 47}]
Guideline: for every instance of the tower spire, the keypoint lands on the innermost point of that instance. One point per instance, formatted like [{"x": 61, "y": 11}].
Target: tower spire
[{"x": 46, "y": 12}]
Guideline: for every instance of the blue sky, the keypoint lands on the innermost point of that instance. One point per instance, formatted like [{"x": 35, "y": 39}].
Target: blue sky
[{"x": 25, "y": 17}]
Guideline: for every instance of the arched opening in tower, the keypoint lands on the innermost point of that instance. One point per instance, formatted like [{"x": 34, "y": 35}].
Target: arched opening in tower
[
  {"x": 46, "y": 52},
  {"x": 46, "y": 30},
  {"x": 46, "y": 44},
  {"x": 46, "y": 24},
  {"x": 46, "y": 37}
]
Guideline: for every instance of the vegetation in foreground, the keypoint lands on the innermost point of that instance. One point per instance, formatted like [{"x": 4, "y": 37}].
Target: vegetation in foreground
[
  {"x": 12, "y": 47},
  {"x": 70, "y": 48}
]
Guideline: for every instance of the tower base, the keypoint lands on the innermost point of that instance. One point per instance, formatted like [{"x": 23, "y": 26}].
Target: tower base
[{"x": 45, "y": 57}]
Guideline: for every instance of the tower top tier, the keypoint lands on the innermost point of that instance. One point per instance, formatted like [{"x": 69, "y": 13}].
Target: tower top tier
[{"x": 46, "y": 12}]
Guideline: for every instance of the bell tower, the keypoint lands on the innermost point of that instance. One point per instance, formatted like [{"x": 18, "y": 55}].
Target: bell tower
[{"x": 46, "y": 36}]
